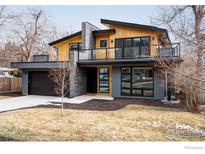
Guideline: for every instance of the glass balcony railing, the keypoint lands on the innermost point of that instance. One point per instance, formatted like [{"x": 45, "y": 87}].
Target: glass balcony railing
[{"x": 136, "y": 52}]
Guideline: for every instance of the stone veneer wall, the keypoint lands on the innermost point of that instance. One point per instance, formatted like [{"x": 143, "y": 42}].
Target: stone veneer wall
[{"x": 78, "y": 76}]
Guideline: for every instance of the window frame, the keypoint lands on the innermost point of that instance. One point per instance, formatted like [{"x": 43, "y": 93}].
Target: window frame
[
  {"x": 108, "y": 74},
  {"x": 131, "y": 82},
  {"x": 132, "y": 44},
  {"x": 78, "y": 43},
  {"x": 101, "y": 44},
  {"x": 56, "y": 51}
]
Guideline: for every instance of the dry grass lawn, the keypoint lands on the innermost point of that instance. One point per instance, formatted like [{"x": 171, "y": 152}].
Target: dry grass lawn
[{"x": 131, "y": 123}]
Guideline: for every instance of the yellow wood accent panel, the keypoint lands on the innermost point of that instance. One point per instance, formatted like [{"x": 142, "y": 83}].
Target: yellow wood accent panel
[
  {"x": 110, "y": 80},
  {"x": 101, "y": 54},
  {"x": 101, "y": 37},
  {"x": 63, "y": 48}
]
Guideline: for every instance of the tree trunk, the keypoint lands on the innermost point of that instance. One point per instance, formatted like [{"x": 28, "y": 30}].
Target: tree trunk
[
  {"x": 62, "y": 106},
  {"x": 62, "y": 96}
]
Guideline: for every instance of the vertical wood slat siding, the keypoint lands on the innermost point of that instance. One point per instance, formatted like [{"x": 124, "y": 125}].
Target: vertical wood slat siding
[{"x": 10, "y": 85}]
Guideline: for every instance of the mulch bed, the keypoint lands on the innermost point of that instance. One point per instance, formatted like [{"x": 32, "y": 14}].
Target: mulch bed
[{"x": 116, "y": 104}]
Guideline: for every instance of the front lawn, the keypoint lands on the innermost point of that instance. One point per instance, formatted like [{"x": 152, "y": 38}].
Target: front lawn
[{"x": 132, "y": 122}]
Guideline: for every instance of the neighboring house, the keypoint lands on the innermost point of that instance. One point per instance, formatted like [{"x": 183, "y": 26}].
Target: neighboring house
[
  {"x": 5, "y": 72},
  {"x": 117, "y": 61}
]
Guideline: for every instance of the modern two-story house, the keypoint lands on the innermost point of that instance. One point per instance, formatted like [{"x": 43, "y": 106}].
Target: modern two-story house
[{"x": 118, "y": 61}]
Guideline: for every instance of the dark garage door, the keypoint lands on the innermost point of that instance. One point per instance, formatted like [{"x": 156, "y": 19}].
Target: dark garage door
[{"x": 40, "y": 84}]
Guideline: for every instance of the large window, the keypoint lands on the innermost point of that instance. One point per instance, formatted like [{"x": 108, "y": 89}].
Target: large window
[
  {"x": 104, "y": 80},
  {"x": 132, "y": 47},
  {"x": 137, "y": 81}
]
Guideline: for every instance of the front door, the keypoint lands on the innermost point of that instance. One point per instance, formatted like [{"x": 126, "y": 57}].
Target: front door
[{"x": 92, "y": 80}]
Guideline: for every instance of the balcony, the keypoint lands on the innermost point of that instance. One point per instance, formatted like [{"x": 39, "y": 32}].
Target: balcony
[{"x": 142, "y": 53}]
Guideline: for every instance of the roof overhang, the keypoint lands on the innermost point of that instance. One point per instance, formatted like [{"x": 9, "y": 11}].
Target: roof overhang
[
  {"x": 37, "y": 65},
  {"x": 143, "y": 61},
  {"x": 116, "y": 61},
  {"x": 65, "y": 38},
  {"x": 127, "y": 24},
  {"x": 103, "y": 32}
]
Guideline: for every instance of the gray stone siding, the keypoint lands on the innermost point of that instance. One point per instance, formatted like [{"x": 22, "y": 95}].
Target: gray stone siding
[{"x": 78, "y": 76}]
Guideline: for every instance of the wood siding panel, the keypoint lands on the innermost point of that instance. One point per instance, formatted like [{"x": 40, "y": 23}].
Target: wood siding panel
[
  {"x": 63, "y": 48},
  {"x": 101, "y": 54}
]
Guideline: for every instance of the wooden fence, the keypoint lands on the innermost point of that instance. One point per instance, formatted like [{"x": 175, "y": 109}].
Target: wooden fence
[{"x": 8, "y": 85}]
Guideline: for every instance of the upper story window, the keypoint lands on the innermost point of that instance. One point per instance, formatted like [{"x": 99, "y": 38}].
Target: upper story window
[
  {"x": 103, "y": 43},
  {"x": 75, "y": 46},
  {"x": 133, "y": 47}
]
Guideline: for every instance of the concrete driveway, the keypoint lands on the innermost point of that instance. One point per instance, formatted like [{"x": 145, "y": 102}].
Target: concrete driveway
[{"x": 24, "y": 102}]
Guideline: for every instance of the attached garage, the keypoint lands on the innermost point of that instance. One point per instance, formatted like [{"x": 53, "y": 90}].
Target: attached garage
[
  {"x": 35, "y": 80},
  {"x": 40, "y": 84}
]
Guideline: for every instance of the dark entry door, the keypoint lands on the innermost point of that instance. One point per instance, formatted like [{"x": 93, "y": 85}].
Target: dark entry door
[
  {"x": 40, "y": 84},
  {"x": 92, "y": 80}
]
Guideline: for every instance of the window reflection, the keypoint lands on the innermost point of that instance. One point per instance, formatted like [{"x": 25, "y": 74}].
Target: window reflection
[{"x": 138, "y": 81}]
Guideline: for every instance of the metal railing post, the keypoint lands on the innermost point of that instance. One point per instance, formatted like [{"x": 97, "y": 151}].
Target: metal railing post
[
  {"x": 91, "y": 54},
  {"x": 78, "y": 55},
  {"x": 106, "y": 53}
]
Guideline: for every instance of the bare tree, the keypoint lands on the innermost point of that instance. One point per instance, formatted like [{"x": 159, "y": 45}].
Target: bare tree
[
  {"x": 31, "y": 31},
  {"x": 5, "y": 16},
  {"x": 184, "y": 78},
  {"x": 60, "y": 77},
  {"x": 187, "y": 25}
]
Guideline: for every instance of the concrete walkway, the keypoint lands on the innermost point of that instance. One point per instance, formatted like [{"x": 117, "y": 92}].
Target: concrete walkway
[
  {"x": 24, "y": 102},
  {"x": 83, "y": 98}
]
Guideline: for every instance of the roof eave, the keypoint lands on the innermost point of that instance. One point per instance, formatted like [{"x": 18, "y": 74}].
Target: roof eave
[
  {"x": 64, "y": 38},
  {"x": 104, "y": 31},
  {"x": 105, "y": 21}
]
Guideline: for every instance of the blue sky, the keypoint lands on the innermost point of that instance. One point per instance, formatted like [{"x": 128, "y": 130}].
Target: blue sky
[{"x": 67, "y": 17}]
